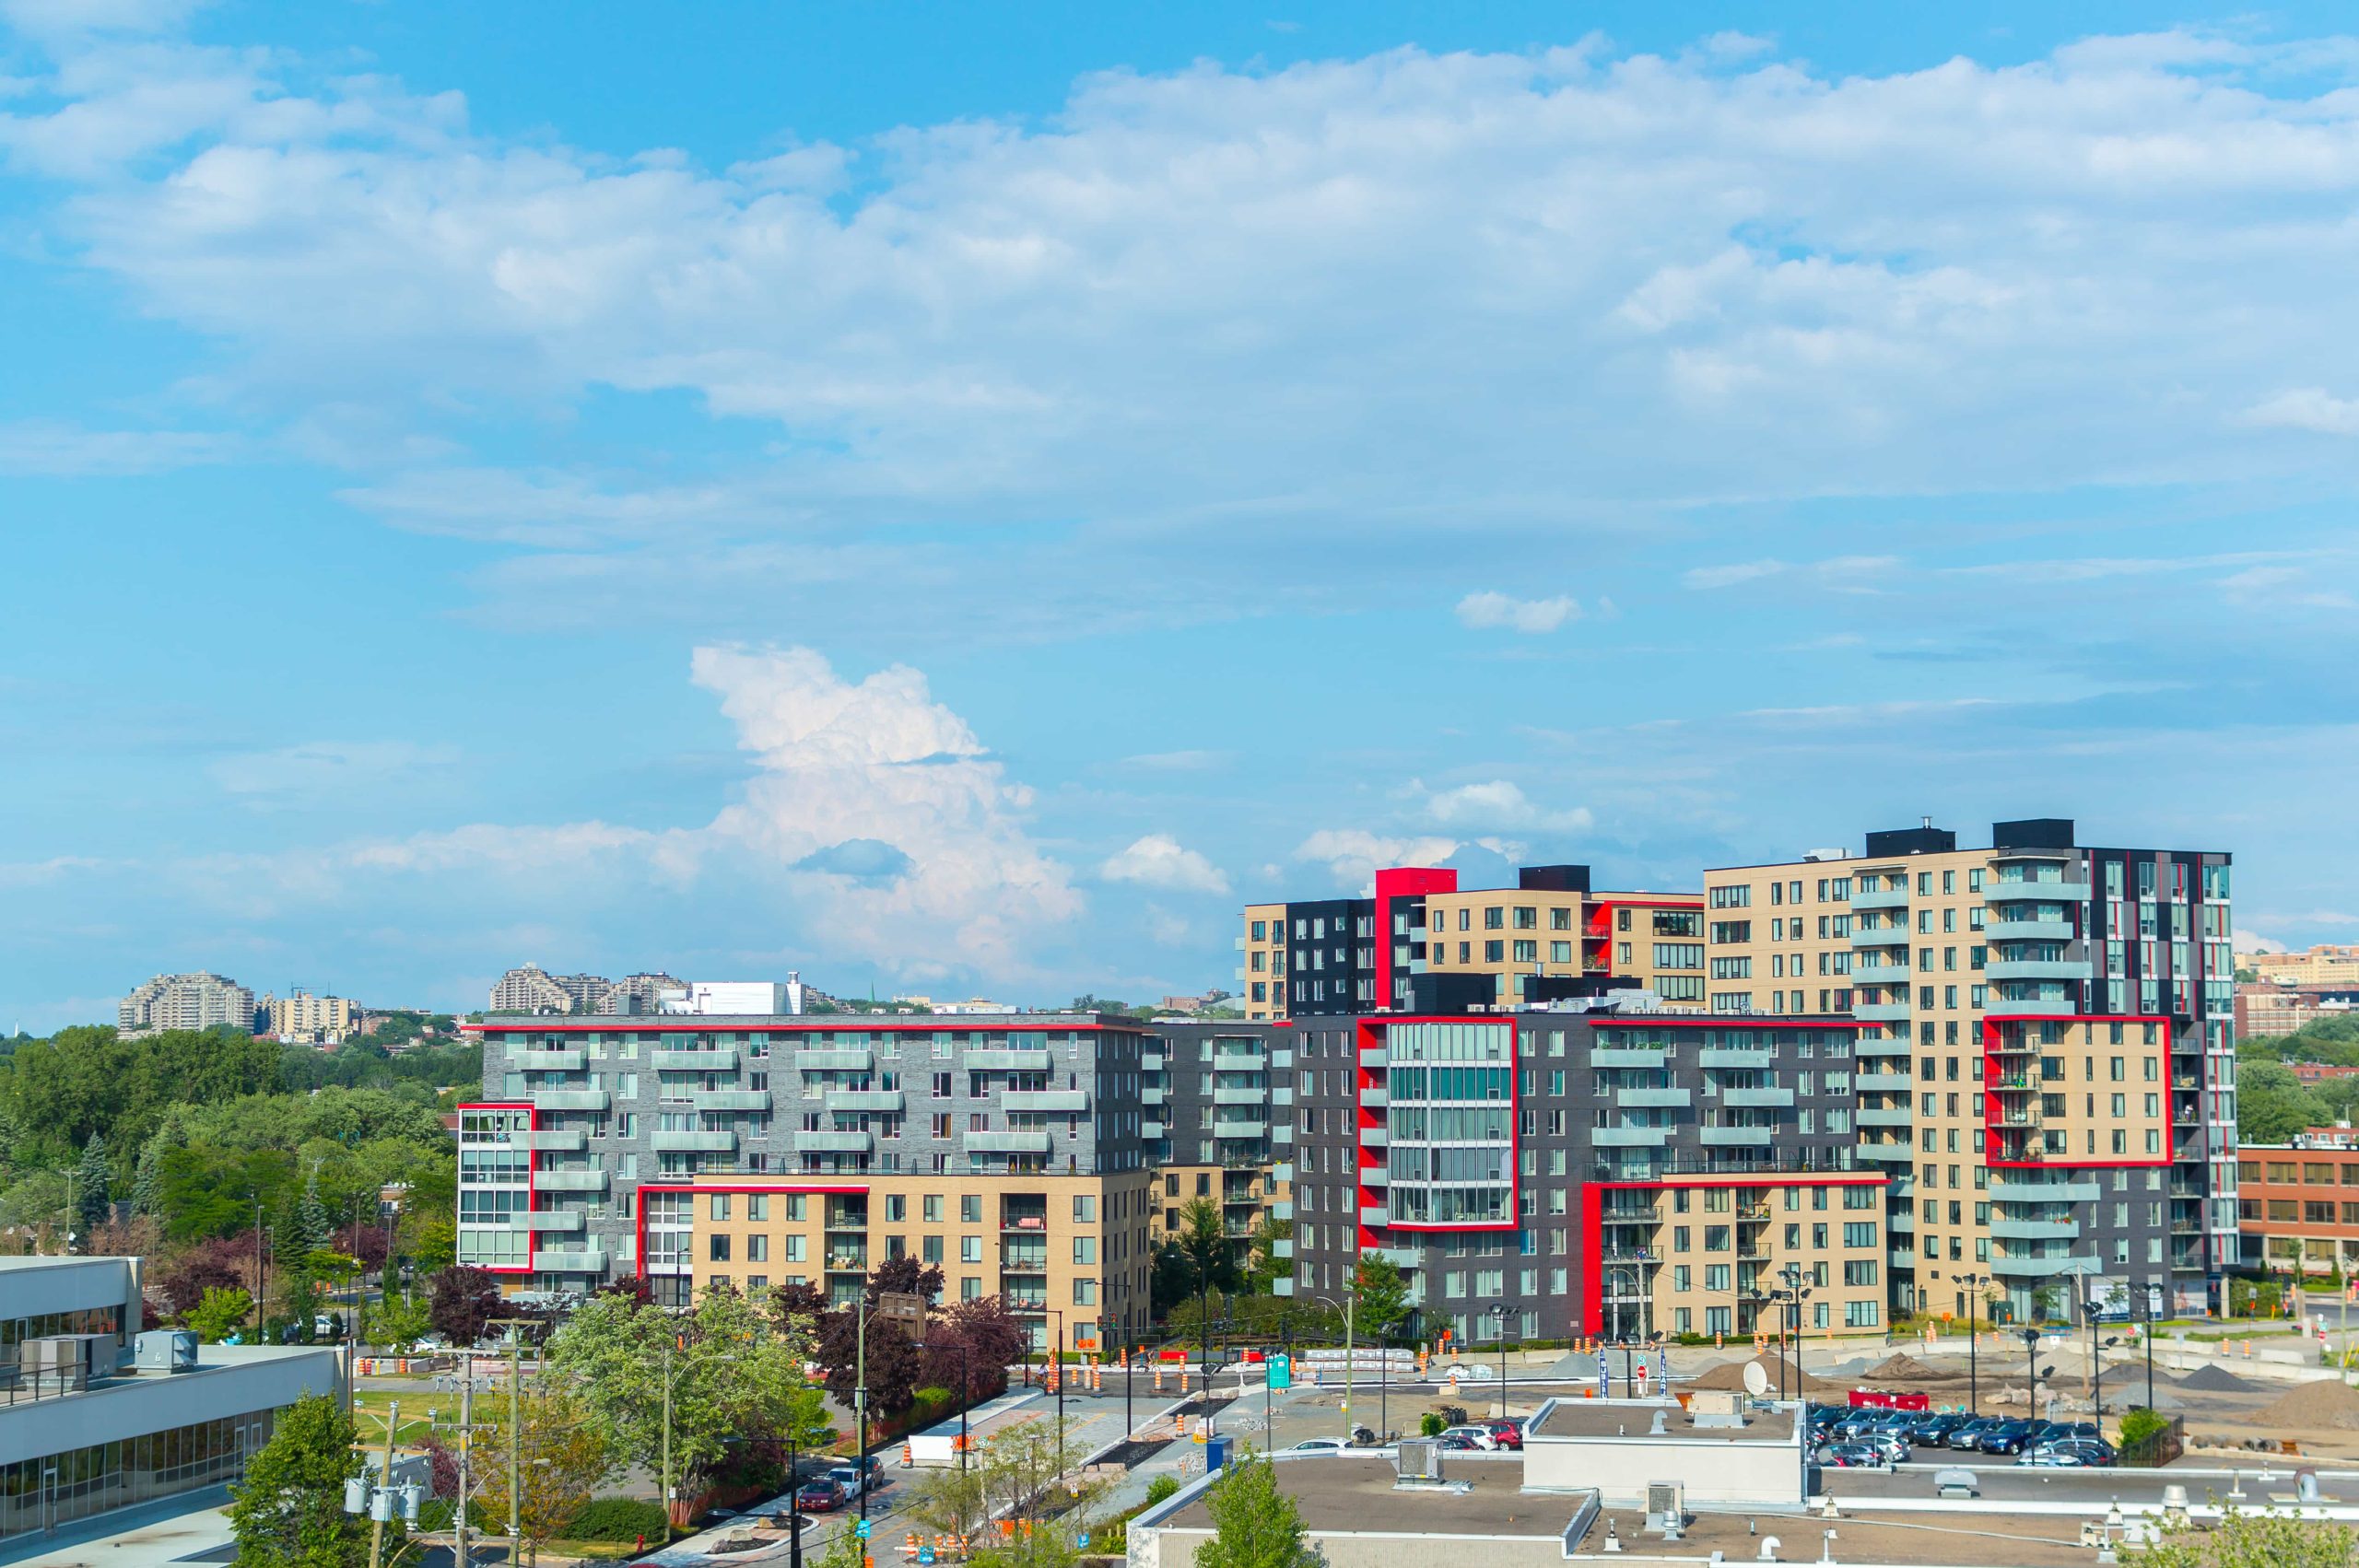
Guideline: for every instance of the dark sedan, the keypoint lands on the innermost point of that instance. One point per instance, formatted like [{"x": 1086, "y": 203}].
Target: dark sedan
[
  {"x": 2007, "y": 1437},
  {"x": 820, "y": 1497}
]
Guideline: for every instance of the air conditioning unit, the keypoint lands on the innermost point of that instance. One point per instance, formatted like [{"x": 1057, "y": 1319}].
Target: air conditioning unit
[
  {"x": 1665, "y": 1505},
  {"x": 1418, "y": 1459},
  {"x": 165, "y": 1350}
]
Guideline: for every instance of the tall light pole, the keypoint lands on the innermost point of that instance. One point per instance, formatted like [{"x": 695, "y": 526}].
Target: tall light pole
[
  {"x": 1973, "y": 1283},
  {"x": 2030, "y": 1366},
  {"x": 1349, "y": 1307},
  {"x": 1499, "y": 1326}
]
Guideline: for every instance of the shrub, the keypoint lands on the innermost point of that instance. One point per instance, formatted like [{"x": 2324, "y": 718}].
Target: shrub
[
  {"x": 2140, "y": 1424},
  {"x": 1431, "y": 1425},
  {"x": 1160, "y": 1488},
  {"x": 618, "y": 1519}
]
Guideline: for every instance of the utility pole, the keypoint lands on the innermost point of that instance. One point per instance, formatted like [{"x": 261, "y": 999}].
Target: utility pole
[
  {"x": 668, "y": 1437},
  {"x": 515, "y": 1453},
  {"x": 467, "y": 1446},
  {"x": 377, "y": 1512},
  {"x": 859, "y": 1399}
]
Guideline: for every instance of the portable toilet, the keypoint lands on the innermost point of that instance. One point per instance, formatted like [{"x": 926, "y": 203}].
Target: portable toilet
[{"x": 1216, "y": 1454}]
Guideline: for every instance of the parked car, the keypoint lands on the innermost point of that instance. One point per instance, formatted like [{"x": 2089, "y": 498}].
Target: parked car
[
  {"x": 848, "y": 1477},
  {"x": 2057, "y": 1430},
  {"x": 1847, "y": 1456},
  {"x": 1319, "y": 1446},
  {"x": 1509, "y": 1433},
  {"x": 1891, "y": 1444},
  {"x": 1933, "y": 1430},
  {"x": 1970, "y": 1435},
  {"x": 1480, "y": 1435},
  {"x": 820, "y": 1496},
  {"x": 1457, "y": 1439},
  {"x": 2068, "y": 1453},
  {"x": 2007, "y": 1437}
]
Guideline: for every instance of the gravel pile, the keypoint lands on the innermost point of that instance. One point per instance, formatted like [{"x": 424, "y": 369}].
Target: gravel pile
[
  {"x": 2312, "y": 1406},
  {"x": 2215, "y": 1380}
]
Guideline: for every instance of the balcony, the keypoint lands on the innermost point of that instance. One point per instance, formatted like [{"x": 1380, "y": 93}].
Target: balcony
[
  {"x": 840, "y": 1141},
  {"x": 1882, "y": 1116},
  {"x": 550, "y": 1142},
  {"x": 1882, "y": 898},
  {"x": 1281, "y": 1172},
  {"x": 1879, "y": 936},
  {"x": 1629, "y": 1213},
  {"x": 703, "y": 1142},
  {"x": 1151, "y": 1129},
  {"x": 1654, "y": 1098},
  {"x": 1241, "y": 1129},
  {"x": 1897, "y": 1151},
  {"x": 1737, "y": 1137},
  {"x": 1376, "y": 1096},
  {"x": 2027, "y": 891},
  {"x": 2017, "y": 1189},
  {"x": 835, "y": 1058},
  {"x": 1997, "y": 969},
  {"x": 1879, "y": 971},
  {"x": 1629, "y": 1137},
  {"x": 546, "y": 1060},
  {"x": 2046, "y": 1006},
  {"x": 1881, "y": 1011},
  {"x": 1242, "y": 1061},
  {"x": 1152, "y": 1095},
  {"x": 1240, "y": 1094},
  {"x": 730, "y": 1099},
  {"x": 1062, "y": 1101},
  {"x": 1375, "y": 1137},
  {"x": 1281, "y": 1095},
  {"x": 1872, "y": 1083},
  {"x": 2040, "y": 1266},
  {"x": 2030, "y": 928},
  {"x": 1150, "y": 1062},
  {"x": 568, "y": 1181},
  {"x": 1375, "y": 1176},
  {"x": 1282, "y": 1209},
  {"x": 1016, "y": 1143},
  {"x": 1626, "y": 1056},
  {"x": 1766, "y": 1098},
  {"x": 714, "y": 1058},
  {"x": 1007, "y": 1058},
  {"x": 1024, "y": 1260},
  {"x": 567, "y": 1099},
  {"x": 575, "y": 1262},
  {"x": 1375, "y": 1216},
  {"x": 856, "y": 1100},
  {"x": 548, "y": 1220},
  {"x": 2019, "y": 1228},
  {"x": 1735, "y": 1056}
]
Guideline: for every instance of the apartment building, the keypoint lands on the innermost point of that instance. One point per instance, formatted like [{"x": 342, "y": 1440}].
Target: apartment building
[
  {"x": 2297, "y": 1204},
  {"x": 2047, "y": 1069},
  {"x": 1213, "y": 1092},
  {"x": 185, "y": 1001},
  {"x": 2328, "y": 963},
  {"x": 301, "y": 1018},
  {"x": 2270, "y": 1008},
  {"x": 795, "y": 1149},
  {"x": 1609, "y": 1166},
  {"x": 1338, "y": 956}
]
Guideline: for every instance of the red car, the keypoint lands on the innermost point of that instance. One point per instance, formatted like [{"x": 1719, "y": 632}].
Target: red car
[
  {"x": 1509, "y": 1433},
  {"x": 820, "y": 1497}
]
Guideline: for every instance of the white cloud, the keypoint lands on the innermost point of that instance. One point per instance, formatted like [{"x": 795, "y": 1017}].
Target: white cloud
[
  {"x": 53, "y": 449},
  {"x": 1181, "y": 761},
  {"x": 1158, "y": 861},
  {"x": 2253, "y": 941},
  {"x": 1500, "y": 803},
  {"x": 1354, "y": 854},
  {"x": 1485, "y": 611},
  {"x": 2308, "y": 408},
  {"x": 1841, "y": 574},
  {"x": 1729, "y": 575}
]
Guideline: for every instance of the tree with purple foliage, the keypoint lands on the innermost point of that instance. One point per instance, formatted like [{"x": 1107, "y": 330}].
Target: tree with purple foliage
[
  {"x": 990, "y": 1337},
  {"x": 461, "y": 1302},
  {"x": 219, "y": 1263}
]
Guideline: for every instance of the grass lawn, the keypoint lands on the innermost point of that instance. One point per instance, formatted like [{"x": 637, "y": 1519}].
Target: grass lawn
[{"x": 420, "y": 1410}]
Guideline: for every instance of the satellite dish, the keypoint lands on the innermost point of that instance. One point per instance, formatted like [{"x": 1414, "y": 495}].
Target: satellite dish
[{"x": 1756, "y": 1382}]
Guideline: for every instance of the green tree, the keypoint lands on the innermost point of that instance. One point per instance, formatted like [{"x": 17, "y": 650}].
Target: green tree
[
  {"x": 2271, "y": 1105},
  {"x": 1380, "y": 1296},
  {"x": 1265, "y": 1267},
  {"x": 1040, "y": 1516},
  {"x": 289, "y": 1512},
  {"x": 461, "y": 1304},
  {"x": 1255, "y": 1524},
  {"x": 220, "y": 1313},
  {"x": 398, "y": 1321},
  {"x": 560, "y": 1455},
  {"x": 2262, "y": 1538},
  {"x": 147, "y": 1181},
  {"x": 93, "y": 1182},
  {"x": 736, "y": 1371}
]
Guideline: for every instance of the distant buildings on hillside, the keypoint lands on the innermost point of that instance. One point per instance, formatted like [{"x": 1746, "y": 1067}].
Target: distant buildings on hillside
[
  {"x": 2327, "y": 964},
  {"x": 530, "y": 989},
  {"x": 185, "y": 1001}
]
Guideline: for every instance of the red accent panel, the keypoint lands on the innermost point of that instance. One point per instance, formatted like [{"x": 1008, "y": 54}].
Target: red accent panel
[
  {"x": 1593, "y": 1280},
  {"x": 1371, "y": 1032},
  {"x": 638, "y": 1204},
  {"x": 1990, "y": 1126},
  {"x": 532, "y": 1164},
  {"x": 1400, "y": 882}
]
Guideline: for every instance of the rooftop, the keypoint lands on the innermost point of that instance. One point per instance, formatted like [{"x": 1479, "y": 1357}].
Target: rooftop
[
  {"x": 1634, "y": 1419},
  {"x": 705, "y": 1023},
  {"x": 1340, "y": 1491}
]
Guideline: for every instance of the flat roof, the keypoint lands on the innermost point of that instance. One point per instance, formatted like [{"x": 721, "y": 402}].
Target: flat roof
[
  {"x": 1347, "y": 1492},
  {"x": 2097, "y": 1488},
  {"x": 689, "y": 1023},
  {"x": 1964, "y": 1537},
  {"x": 1634, "y": 1419}
]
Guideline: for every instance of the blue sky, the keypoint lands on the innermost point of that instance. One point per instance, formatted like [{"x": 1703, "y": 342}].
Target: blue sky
[{"x": 957, "y": 497}]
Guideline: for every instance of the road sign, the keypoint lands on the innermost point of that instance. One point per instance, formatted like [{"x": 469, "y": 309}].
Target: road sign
[
  {"x": 905, "y": 1309},
  {"x": 1083, "y": 1540},
  {"x": 861, "y": 1529},
  {"x": 926, "y": 1554}
]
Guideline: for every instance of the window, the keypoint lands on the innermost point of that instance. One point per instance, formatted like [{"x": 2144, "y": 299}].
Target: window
[
  {"x": 719, "y": 1248},
  {"x": 970, "y": 1249}
]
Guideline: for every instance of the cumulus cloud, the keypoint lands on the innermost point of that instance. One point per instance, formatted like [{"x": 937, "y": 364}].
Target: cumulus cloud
[
  {"x": 2253, "y": 941},
  {"x": 2309, "y": 408},
  {"x": 1485, "y": 611},
  {"x": 1354, "y": 854},
  {"x": 1157, "y": 860},
  {"x": 1500, "y": 803}
]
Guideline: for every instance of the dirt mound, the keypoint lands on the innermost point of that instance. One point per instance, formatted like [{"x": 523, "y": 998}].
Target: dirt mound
[
  {"x": 1730, "y": 1375},
  {"x": 2216, "y": 1380},
  {"x": 1902, "y": 1368},
  {"x": 2311, "y": 1406}
]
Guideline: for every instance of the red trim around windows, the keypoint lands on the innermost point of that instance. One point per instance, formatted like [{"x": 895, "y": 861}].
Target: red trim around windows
[
  {"x": 1592, "y": 1286},
  {"x": 1371, "y": 1037},
  {"x": 532, "y": 1164},
  {"x": 1400, "y": 882}
]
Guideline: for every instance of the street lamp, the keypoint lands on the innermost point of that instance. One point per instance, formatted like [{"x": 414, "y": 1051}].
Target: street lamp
[
  {"x": 1973, "y": 1283},
  {"x": 1349, "y": 1307},
  {"x": 1499, "y": 1326},
  {"x": 2031, "y": 1366}
]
